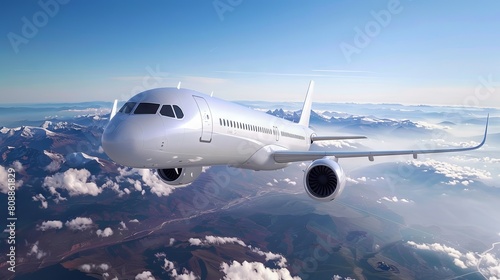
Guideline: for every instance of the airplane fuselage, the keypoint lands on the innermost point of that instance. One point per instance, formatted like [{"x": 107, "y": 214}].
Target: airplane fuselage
[{"x": 201, "y": 131}]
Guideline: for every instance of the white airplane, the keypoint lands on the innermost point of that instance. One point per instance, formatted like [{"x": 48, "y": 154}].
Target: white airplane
[{"x": 178, "y": 131}]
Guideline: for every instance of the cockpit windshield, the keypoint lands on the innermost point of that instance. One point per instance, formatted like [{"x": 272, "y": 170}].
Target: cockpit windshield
[
  {"x": 166, "y": 110},
  {"x": 178, "y": 112},
  {"x": 147, "y": 108},
  {"x": 127, "y": 108}
]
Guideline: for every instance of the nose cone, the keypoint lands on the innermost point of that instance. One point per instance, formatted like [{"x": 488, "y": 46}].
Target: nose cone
[{"x": 123, "y": 141}]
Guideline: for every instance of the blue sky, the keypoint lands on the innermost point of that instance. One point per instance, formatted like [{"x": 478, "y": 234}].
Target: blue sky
[{"x": 415, "y": 52}]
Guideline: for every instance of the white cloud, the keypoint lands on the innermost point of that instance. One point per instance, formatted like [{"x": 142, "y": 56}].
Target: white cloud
[
  {"x": 92, "y": 267},
  {"x": 169, "y": 267},
  {"x": 270, "y": 256},
  {"x": 133, "y": 221},
  {"x": 41, "y": 198},
  {"x": 123, "y": 226},
  {"x": 452, "y": 171},
  {"x": 145, "y": 275},
  {"x": 217, "y": 240},
  {"x": 487, "y": 264},
  {"x": 195, "y": 241},
  {"x": 56, "y": 162},
  {"x": 113, "y": 186},
  {"x": 107, "y": 232},
  {"x": 157, "y": 186},
  {"x": 289, "y": 181},
  {"x": 210, "y": 239},
  {"x": 443, "y": 143},
  {"x": 475, "y": 159},
  {"x": 36, "y": 251},
  {"x": 50, "y": 225},
  {"x": 338, "y": 277},
  {"x": 253, "y": 270},
  {"x": 394, "y": 199},
  {"x": 171, "y": 242},
  {"x": 340, "y": 144},
  {"x": 459, "y": 263},
  {"x": 350, "y": 180},
  {"x": 148, "y": 178},
  {"x": 234, "y": 270},
  {"x": 79, "y": 223},
  {"x": 18, "y": 166},
  {"x": 85, "y": 267},
  {"x": 74, "y": 181},
  {"x": 186, "y": 275},
  {"x": 436, "y": 247}
]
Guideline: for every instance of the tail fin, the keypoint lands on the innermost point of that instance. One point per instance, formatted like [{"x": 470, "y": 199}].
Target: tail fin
[{"x": 306, "y": 109}]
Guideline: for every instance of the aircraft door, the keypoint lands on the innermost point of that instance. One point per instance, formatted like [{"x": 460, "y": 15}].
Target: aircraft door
[
  {"x": 206, "y": 119},
  {"x": 277, "y": 133}
]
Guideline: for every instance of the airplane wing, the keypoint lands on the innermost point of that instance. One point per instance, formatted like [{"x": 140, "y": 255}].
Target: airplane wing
[{"x": 285, "y": 156}]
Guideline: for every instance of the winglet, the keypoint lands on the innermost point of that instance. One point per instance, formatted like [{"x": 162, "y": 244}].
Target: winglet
[
  {"x": 485, "y": 131},
  {"x": 179, "y": 85},
  {"x": 306, "y": 109},
  {"x": 113, "y": 111}
]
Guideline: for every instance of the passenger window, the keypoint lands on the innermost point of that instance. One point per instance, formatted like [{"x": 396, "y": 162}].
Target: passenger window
[
  {"x": 178, "y": 112},
  {"x": 166, "y": 110},
  {"x": 147, "y": 108},
  {"x": 127, "y": 107}
]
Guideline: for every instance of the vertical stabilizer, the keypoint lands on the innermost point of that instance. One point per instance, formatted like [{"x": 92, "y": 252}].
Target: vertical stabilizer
[{"x": 306, "y": 110}]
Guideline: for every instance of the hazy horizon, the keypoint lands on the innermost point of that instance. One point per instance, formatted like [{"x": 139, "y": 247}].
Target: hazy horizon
[{"x": 407, "y": 52}]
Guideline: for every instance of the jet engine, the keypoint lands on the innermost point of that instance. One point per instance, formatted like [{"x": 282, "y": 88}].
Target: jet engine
[
  {"x": 179, "y": 176},
  {"x": 324, "y": 179}
]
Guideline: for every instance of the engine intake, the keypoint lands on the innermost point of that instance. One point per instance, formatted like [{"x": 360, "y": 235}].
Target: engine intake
[
  {"x": 324, "y": 180},
  {"x": 179, "y": 176}
]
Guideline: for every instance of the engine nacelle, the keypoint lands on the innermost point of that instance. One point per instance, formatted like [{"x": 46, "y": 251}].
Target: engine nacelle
[
  {"x": 179, "y": 176},
  {"x": 324, "y": 180}
]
